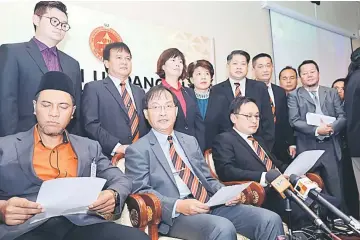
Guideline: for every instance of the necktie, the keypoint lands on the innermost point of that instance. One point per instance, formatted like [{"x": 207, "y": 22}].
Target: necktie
[
  {"x": 134, "y": 118},
  {"x": 317, "y": 103},
  {"x": 196, "y": 188},
  {"x": 262, "y": 154},
  {"x": 273, "y": 109},
  {"x": 237, "y": 90}
]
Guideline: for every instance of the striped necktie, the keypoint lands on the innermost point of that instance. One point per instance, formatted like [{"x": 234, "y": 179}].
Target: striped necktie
[
  {"x": 262, "y": 154},
  {"x": 273, "y": 109},
  {"x": 237, "y": 90},
  {"x": 196, "y": 188},
  {"x": 131, "y": 111}
]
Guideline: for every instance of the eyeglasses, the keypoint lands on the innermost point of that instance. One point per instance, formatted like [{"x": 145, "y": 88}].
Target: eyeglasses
[
  {"x": 159, "y": 108},
  {"x": 56, "y": 22},
  {"x": 249, "y": 117}
]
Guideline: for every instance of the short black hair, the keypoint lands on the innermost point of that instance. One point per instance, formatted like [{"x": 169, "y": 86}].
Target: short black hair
[
  {"x": 308, "y": 62},
  {"x": 338, "y": 80},
  {"x": 288, "y": 68},
  {"x": 42, "y": 7},
  {"x": 115, "y": 45},
  {"x": 238, "y": 52},
  {"x": 157, "y": 91},
  {"x": 238, "y": 102},
  {"x": 260, "y": 55}
]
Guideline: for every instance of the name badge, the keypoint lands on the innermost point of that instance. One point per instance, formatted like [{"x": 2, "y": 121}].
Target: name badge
[{"x": 93, "y": 168}]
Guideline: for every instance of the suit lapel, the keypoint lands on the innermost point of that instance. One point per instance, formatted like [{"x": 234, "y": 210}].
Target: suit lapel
[
  {"x": 110, "y": 86},
  {"x": 188, "y": 101},
  {"x": 228, "y": 90},
  {"x": 322, "y": 96},
  {"x": 25, "y": 151},
  {"x": 36, "y": 55},
  {"x": 63, "y": 63},
  {"x": 160, "y": 156},
  {"x": 306, "y": 95},
  {"x": 247, "y": 147},
  {"x": 137, "y": 99},
  {"x": 82, "y": 156}
]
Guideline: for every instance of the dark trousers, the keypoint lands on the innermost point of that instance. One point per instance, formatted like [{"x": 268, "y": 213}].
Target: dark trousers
[{"x": 60, "y": 228}]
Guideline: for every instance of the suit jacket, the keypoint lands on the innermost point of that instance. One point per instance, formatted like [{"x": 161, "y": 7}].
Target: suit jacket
[
  {"x": 215, "y": 118},
  {"x": 193, "y": 123},
  {"x": 105, "y": 116},
  {"x": 284, "y": 134},
  {"x": 300, "y": 102},
  {"x": 17, "y": 176},
  {"x": 257, "y": 91},
  {"x": 235, "y": 160},
  {"x": 352, "y": 103},
  {"x": 21, "y": 69},
  {"x": 149, "y": 169}
]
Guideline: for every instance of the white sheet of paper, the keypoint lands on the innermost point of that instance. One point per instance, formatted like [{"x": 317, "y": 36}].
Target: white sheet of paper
[
  {"x": 314, "y": 119},
  {"x": 226, "y": 194},
  {"x": 64, "y": 196},
  {"x": 303, "y": 162}
]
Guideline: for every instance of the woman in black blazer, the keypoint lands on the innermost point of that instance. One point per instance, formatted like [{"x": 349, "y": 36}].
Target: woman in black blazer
[{"x": 171, "y": 68}]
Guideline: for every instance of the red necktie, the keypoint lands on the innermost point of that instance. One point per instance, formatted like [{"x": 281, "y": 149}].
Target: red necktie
[
  {"x": 134, "y": 118},
  {"x": 193, "y": 183},
  {"x": 262, "y": 154}
]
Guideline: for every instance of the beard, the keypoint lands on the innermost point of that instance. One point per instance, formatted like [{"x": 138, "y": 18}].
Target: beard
[{"x": 51, "y": 131}]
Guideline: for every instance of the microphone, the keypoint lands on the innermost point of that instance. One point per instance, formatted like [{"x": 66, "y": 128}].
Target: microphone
[
  {"x": 315, "y": 195},
  {"x": 302, "y": 187},
  {"x": 282, "y": 185}
]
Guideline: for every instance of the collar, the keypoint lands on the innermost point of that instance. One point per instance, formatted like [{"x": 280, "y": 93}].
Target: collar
[
  {"x": 117, "y": 81},
  {"x": 37, "y": 137},
  {"x": 42, "y": 46},
  {"x": 312, "y": 89},
  {"x": 167, "y": 85},
  {"x": 162, "y": 138},
  {"x": 243, "y": 135},
  {"x": 242, "y": 81}
]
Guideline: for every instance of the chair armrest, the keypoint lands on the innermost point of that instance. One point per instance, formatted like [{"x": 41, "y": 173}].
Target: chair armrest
[
  {"x": 254, "y": 194},
  {"x": 316, "y": 178},
  {"x": 154, "y": 214},
  {"x": 138, "y": 211}
]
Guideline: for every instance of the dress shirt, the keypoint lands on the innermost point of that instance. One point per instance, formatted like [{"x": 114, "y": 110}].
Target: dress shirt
[
  {"x": 50, "y": 56},
  {"x": 271, "y": 93},
  {"x": 242, "y": 85}
]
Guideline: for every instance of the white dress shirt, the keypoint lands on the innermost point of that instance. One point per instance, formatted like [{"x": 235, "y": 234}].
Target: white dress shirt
[
  {"x": 271, "y": 93},
  {"x": 117, "y": 82},
  {"x": 165, "y": 146},
  {"x": 242, "y": 85},
  {"x": 245, "y": 137}
]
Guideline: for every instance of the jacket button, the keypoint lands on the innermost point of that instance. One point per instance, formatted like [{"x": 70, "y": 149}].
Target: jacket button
[
  {"x": 129, "y": 137},
  {"x": 186, "y": 127}
]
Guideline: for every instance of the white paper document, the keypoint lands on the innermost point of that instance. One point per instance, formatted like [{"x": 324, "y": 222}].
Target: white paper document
[
  {"x": 64, "y": 196},
  {"x": 315, "y": 119},
  {"x": 226, "y": 194},
  {"x": 303, "y": 162}
]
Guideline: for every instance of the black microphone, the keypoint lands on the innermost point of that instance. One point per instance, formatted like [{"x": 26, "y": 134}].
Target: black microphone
[
  {"x": 282, "y": 185},
  {"x": 315, "y": 195}
]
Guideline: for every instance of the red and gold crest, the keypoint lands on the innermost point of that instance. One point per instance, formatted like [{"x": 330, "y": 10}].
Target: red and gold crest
[{"x": 100, "y": 37}]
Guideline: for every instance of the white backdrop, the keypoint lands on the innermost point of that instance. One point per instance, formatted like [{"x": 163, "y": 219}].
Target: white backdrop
[
  {"x": 295, "y": 41},
  {"x": 146, "y": 41}
]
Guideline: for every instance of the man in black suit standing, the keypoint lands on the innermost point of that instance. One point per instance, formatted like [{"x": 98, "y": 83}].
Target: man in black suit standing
[
  {"x": 284, "y": 148},
  {"x": 238, "y": 85},
  {"x": 112, "y": 108},
  {"x": 23, "y": 64}
]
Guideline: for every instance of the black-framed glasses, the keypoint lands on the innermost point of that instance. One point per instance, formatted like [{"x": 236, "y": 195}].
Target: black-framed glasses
[
  {"x": 56, "y": 22},
  {"x": 249, "y": 117}
]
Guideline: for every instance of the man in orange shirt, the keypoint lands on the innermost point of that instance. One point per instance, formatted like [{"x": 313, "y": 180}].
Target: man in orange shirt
[{"x": 47, "y": 151}]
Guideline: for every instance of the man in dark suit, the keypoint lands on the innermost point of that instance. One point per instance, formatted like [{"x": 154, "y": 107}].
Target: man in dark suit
[
  {"x": 239, "y": 85},
  {"x": 112, "y": 108},
  {"x": 47, "y": 152},
  {"x": 23, "y": 64},
  {"x": 284, "y": 148},
  {"x": 171, "y": 165}
]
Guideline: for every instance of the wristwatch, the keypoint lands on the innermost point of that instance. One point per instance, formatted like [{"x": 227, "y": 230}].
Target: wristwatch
[{"x": 116, "y": 196}]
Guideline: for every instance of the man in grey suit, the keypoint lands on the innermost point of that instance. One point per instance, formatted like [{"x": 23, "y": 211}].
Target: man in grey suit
[
  {"x": 23, "y": 64},
  {"x": 313, "y": 98},
  {"x": 47, "y": 151},
  {"x": 170, "y": 164},
  {"x": 112, "y": 108}
]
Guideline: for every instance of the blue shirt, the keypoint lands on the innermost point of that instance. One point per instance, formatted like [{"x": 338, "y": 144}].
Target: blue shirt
[{"x": 203, "y": 103}]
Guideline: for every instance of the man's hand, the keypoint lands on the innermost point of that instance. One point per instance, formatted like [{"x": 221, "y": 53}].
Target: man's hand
[
  {"x": 325, "y": 130},
  {"x": 191, "y": 207},
  {"x": 105, "y": 203},
  {"x": 121, "y": 149},
  {"x": 234, "y": 201},
  {"x": 16, "y": 210},
  {"x": 292, "y": 151}
]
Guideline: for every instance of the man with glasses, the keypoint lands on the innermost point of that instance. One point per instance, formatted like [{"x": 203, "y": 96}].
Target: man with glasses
[
  {"x": 23, "y": 64},
  {"x": 171, "y": 165}
]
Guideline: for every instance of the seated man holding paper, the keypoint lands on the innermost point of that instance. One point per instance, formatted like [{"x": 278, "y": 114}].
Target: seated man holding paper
[
  {"x": 313, "y": 133},
  {"x": 171, "y": 165},
  {"x": 48, "y": 154},
  {"x": 239, "y": 156}
]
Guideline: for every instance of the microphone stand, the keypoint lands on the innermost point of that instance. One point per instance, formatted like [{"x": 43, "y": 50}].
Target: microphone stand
[{"x": 288, "y": 210}]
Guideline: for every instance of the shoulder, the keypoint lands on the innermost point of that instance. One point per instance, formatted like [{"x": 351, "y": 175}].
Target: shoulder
[
  {"x": 225, "y": 137},
  {"x": 137, "y": 89},
  {"x": 220, "y": 84},
  {"x": 68, "y": 57},
  {"x": 278, "y": 90},
  {"x": 257, "y": 84},
  {"x": 84, "y": 140},
  {"x": 10, "y": 139},
  {"x": 12, "y": 48}
]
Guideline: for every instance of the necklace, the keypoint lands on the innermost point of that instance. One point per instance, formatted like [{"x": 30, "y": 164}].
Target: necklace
[{"x": 202, "y": 95}]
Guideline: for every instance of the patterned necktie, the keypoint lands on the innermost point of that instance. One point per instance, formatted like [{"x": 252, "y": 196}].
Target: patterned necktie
[
  {"x": 317, "y": 103},
  {"x": 196, "y": 188},
  {"x": 237, "y": 90},
  {"x": 262, "y": 154},
  {"x": 273, "y": 109},
  {"x": 131, "y": 111}
]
